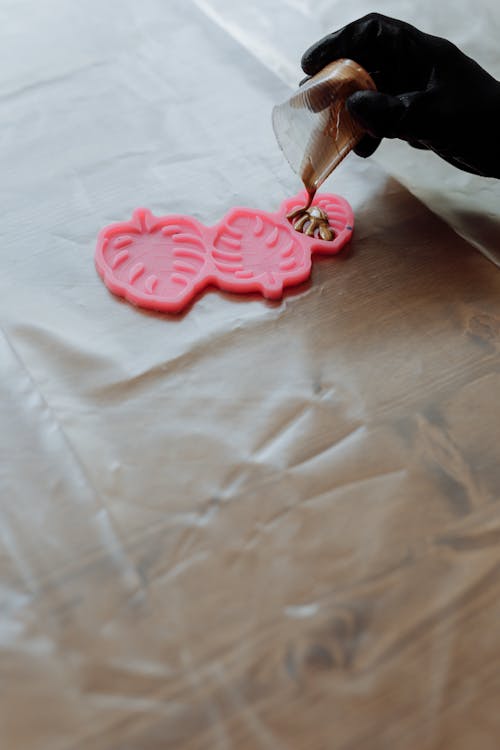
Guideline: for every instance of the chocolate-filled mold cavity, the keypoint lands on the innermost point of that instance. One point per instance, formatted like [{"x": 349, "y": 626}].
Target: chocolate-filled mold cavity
[{"x": 313, "y": 222}]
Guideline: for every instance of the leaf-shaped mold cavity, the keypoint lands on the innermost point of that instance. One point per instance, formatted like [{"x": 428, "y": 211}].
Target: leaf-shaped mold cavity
[
  {"x": 339, "y": 212},
  {"x": 255, "y": 251},
  {"x": 155, "y": 262},
  {"x": 340, "y": 219}
]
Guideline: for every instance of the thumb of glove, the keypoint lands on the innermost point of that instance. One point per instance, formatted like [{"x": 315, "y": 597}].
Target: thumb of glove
[{"x": 380, "y": 114}]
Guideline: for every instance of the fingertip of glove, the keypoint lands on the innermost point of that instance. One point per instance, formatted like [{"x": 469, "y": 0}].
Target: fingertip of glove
[
  {"x": 309, "y": 63},
  {"x": 362, "y": 102},
  {"x": 367, "y": 146},
  {"x": 318, "y": 55},
  {"x": 378, "y": 113}
]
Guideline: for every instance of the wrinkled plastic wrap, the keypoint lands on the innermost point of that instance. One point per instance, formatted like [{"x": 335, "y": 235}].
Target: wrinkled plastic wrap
[{"x": 258, "y": 525}]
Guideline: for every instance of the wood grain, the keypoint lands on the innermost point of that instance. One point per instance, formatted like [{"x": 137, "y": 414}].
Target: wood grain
[{"x": 316, "y": 564}]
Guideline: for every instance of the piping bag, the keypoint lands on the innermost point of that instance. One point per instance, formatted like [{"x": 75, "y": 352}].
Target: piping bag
[{"x": 313, "y": 127}]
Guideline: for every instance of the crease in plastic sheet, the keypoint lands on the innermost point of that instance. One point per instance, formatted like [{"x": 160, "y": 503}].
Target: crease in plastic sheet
[{"x": 257, "y": 524}]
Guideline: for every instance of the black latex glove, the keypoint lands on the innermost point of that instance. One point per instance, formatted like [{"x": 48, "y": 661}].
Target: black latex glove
[{"x": 429, "y": 93}]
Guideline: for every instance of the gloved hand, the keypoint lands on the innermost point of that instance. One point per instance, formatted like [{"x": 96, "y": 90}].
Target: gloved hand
[{"x": 430, "y": 94}]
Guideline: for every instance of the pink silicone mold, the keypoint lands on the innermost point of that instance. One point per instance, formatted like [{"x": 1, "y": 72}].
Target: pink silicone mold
[{"x": 161, "y": 263}]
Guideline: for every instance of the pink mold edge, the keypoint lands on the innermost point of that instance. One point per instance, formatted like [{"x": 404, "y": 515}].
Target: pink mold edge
[{"x": 162, "y": 263}]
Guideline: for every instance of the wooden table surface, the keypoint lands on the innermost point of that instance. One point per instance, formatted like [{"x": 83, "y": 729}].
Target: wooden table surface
[{"x": 316, "y": 563}]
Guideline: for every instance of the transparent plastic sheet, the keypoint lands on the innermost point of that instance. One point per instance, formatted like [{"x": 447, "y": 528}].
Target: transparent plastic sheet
[{"x": 258, "y": 525}]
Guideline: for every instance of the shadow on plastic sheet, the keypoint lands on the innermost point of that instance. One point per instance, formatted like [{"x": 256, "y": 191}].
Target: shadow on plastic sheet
[{"x": 486, "y": 231}]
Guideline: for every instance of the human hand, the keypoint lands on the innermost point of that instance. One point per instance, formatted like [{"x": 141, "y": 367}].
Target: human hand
[{"x": 430, "y": 94}]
